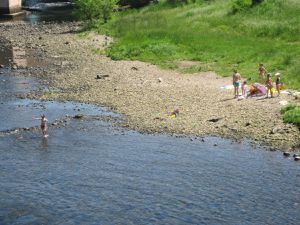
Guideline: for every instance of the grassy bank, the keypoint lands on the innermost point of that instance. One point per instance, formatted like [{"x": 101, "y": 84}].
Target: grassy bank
[
  {"x": 291, "y": 114},
  {"x": 208, "y": 32}
]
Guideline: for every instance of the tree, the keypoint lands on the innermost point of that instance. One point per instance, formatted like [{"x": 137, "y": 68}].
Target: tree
[{"x": 95, "y": 9}]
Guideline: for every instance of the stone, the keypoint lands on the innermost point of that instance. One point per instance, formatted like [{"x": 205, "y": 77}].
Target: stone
[
  {"x": 297, "y": 158},
  {"x": 101, "y": 76},
  {"x": 78, "y": 116},
  {"x": 286, "y": 153},
  {"x": 175, "y": 113},
  {"x": 283, "y": 102},
  {"x": 296, "y": 95},
  {"x": 214, "y": 120},
  {"x": 277, "y": 129},
  {"x": 159, "y": 80}
]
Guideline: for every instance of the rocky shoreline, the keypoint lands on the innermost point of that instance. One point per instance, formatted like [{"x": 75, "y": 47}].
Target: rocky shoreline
[{"x": 153, "y": 100}]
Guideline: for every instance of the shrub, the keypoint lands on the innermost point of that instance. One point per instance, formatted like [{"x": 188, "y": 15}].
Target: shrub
[
  {"x": 291, "y": 114},
  {"x": 240, "y": 5},
  {"x": 175, "y": 2},
  {"x": 255, "y": 2},
  {"x": 134, "y": 3},
  {"x": 287, "y": 108},
  {"x": 94, "y": 9}
]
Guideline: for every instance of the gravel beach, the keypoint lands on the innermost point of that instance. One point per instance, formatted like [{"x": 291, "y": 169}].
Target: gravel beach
[{"x": 152, "y": 99}]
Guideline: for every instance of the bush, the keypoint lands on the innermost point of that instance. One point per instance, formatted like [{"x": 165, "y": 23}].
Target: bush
[
  {"x": 134, "y": 3},
  {"x": 287, "y": 108},
  {"x": 240, "y": 5},
  {"x": 175, "y": 2},
  {"x": 255, "y": 2},
  {"x": 291, "y": 114},
  {"x": 94, "y": 9}
]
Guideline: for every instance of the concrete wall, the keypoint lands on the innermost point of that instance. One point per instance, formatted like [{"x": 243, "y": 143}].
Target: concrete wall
[{"x": 10, "y": 6}]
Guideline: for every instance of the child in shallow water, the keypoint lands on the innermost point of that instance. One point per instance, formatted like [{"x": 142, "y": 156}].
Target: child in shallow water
[{"x": 44, "y": 125}]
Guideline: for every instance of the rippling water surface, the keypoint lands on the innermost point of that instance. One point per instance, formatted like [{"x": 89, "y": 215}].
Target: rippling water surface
[{"x": 90, "y": 172}]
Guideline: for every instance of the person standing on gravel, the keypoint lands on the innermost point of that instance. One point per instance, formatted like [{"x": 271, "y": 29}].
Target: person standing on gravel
[
  {"x": 261, "y": 72},
  {"x": 236, "y": 80}
]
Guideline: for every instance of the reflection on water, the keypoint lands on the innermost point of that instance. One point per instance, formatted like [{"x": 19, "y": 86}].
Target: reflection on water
[
  {"x": 46, "y": 11},
  {"x": 18, "y": 113},
  {"x": 11, "y": 85},
  {"x": 49, "y": 11},
  {"x": 44, "y": 143},
  {"x": 19, "y": 57}
]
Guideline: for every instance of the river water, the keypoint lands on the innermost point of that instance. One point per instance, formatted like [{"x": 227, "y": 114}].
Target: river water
[{"x": 91, "y": 172}]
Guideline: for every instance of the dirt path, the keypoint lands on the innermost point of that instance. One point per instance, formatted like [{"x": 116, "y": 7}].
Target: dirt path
[{"x": 146, "y": 94}]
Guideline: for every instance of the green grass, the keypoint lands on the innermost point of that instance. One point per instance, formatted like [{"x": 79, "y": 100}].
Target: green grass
[
  {"x": 291, "y": 114},
  {"x": 208, "y": 32}
]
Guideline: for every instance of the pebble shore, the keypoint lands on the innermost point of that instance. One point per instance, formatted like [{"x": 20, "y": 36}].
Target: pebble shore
[{"x": 153, "y": 100}]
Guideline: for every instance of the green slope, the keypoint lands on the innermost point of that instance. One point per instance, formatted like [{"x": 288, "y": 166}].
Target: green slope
[{"x": 208, "y": 32}]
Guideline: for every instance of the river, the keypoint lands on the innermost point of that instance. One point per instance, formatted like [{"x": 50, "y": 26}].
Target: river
[
  {"x": 89, "y": 171},
  {"x": 47, "y": 11}
]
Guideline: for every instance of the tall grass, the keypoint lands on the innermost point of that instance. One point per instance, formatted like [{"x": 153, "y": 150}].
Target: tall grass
[{"x": 207, "y": 31}]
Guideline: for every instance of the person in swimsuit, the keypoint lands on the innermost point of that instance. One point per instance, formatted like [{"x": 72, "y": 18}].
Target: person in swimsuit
[
  {"x": 236, "y": 78},
  {"x": 244, "y": 89},
  {"x": 261, "y": 71},
  {"x": 278, "y": 83},
  {"x": 44, "y": 125},
  {"x": 269, "y": 85}
]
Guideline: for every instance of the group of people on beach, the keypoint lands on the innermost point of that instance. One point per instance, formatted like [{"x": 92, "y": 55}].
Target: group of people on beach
[
  {"x": 236, "y": 79},
  {"x": 266, "y": 80}
]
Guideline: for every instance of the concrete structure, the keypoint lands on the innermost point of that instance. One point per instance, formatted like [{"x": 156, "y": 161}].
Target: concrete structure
[{"x": 10, "y": 8}]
